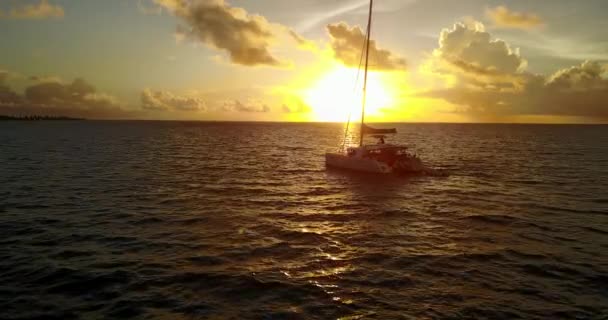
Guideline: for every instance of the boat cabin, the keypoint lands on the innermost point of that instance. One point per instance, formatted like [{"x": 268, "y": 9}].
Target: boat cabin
[{"x": 383, "y": 152}]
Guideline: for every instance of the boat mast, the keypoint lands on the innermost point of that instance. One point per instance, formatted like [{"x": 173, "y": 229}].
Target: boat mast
[{"x": 369, "y": 31}]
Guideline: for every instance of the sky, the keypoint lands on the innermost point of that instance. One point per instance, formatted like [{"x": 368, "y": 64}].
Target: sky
[{"x": 542, "y": 61}]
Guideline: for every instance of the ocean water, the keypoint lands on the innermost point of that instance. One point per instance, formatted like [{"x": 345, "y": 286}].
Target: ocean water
[{"x": 187, "y": 220}]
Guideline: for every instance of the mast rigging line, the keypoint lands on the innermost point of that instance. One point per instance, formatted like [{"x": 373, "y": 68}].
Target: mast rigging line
[
  {"x": 350, "y": 113},
  {"x": 369, "y": 33}
]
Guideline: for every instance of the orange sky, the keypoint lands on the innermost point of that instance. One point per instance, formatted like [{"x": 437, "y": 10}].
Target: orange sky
[{"x": 513, "y": 61}]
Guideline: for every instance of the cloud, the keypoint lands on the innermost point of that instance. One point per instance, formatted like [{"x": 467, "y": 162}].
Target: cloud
[
  {"x": 347, "y": 44},
  {"x": 57, "y": 93},
  {"x": 167, "y": 101},
  {"x": 540, "y": 96},
  {"x": 250, "y": 106},
  {"x": 502, "y": 17},
  {"x": 42, "y": 10},
  {"x": 245, "y": 37},
  {"x": 589, "y": 75},
  {"x": 56, "y": 98},
  {"x": 8, "y": 97},
  {"x": 472, "y": 49},
  {"x": 490, "y": 79}
]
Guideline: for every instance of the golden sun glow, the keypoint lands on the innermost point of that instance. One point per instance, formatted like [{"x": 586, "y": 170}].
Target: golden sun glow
[{"x": 337, "y": 94}]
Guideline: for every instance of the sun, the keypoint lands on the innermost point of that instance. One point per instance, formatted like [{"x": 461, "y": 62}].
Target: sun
[{"x": 337, "y": 94}]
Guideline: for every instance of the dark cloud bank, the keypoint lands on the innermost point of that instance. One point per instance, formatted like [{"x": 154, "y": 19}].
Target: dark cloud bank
[{"x": 54, "y": 98}]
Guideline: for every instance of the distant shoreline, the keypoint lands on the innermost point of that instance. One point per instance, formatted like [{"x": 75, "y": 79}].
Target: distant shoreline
[{"x": 37, "y": 118}]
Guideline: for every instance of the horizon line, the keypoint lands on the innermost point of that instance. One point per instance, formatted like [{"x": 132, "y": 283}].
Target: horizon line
[{"x": 340, "y": 122}]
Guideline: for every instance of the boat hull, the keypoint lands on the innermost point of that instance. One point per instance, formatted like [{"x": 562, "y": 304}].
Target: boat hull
[{"x": 342, "y": 161}]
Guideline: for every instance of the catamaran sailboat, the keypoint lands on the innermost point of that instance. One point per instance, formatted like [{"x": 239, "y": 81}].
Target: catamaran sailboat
[{"x": 376, "y": 158}]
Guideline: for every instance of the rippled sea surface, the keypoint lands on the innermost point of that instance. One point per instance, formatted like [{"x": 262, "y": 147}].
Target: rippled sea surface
[{"x": 175, "y": 220}]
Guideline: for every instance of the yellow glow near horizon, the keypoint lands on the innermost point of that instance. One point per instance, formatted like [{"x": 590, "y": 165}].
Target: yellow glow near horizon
[{"x": 334, "y": 95}]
